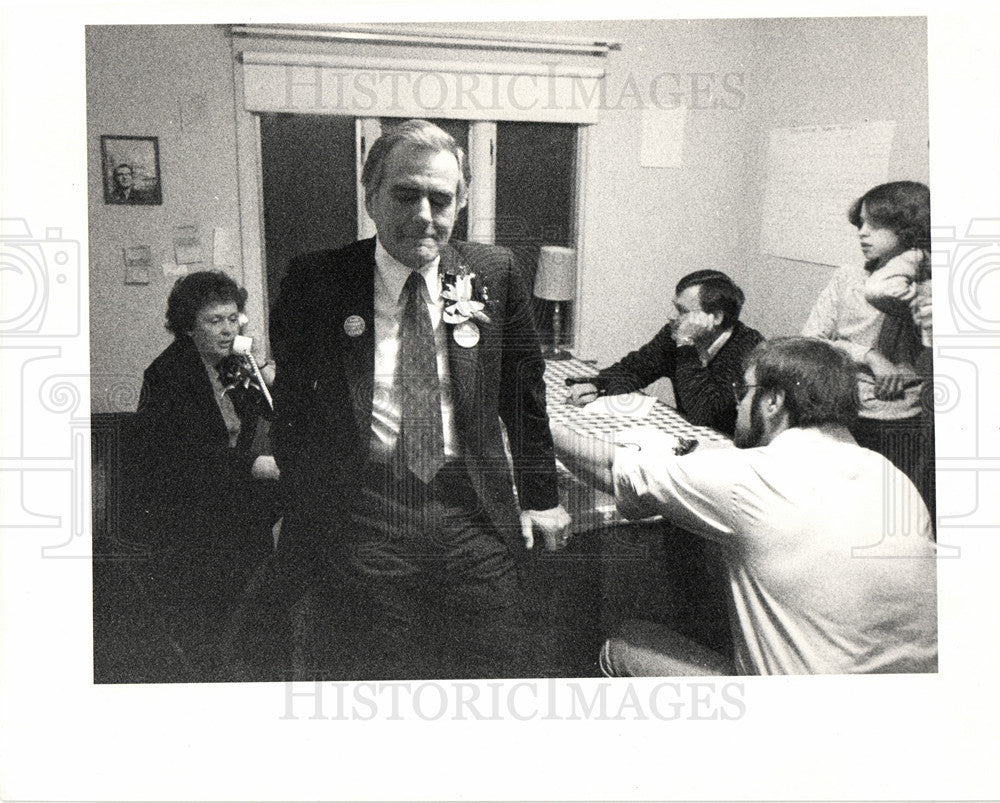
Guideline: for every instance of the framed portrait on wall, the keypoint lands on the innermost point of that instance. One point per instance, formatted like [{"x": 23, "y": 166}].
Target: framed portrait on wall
[{"x": 131, "y": 170}]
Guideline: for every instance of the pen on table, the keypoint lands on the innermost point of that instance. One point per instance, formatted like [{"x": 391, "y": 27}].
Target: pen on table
[{"x": 582, "y": 399}]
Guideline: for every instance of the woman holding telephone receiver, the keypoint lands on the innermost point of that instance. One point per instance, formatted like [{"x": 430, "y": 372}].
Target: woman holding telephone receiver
[{"x": 204, "y": 499}]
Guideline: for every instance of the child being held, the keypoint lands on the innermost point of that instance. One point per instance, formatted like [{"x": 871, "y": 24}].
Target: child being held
[{"x": 904, "y": 279}]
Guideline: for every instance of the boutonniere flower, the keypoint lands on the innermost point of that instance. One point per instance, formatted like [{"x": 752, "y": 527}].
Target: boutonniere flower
[
  {"x": 235, "y": 371},
  {"x": 467, "y": 297}
]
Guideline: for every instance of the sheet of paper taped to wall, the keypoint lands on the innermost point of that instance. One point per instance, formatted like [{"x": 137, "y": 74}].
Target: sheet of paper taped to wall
[{"x": 630, "y": 405}]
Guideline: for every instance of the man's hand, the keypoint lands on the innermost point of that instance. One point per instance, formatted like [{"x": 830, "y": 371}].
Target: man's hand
[
  {"x": 693, "y": 328},
  {"x": 552, "y": 524},
  {"x": 890, "y": 379},
  {"x": 581, "y": 394}
]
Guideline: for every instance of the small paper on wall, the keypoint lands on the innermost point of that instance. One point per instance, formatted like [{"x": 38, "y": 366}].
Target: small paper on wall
[
  {"x": 187, "y": 245},
  {"x": 662, "y": 143},
  {"x": 223, "y": 253},
  {"x": 138, "y": 259}
]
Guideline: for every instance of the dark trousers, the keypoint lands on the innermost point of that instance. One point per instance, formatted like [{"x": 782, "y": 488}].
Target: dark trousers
[
  {"x": 908, "y": 444},
  {"x": 423, "y": 586}
]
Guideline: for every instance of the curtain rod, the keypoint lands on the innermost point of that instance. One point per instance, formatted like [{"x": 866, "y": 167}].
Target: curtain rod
[{"x": 374, "y": 34}]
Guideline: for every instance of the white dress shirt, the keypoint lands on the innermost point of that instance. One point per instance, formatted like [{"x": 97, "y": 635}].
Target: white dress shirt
[
  {"x": 709, "y": 354},
  {"x": 828, "y": 547},
  {"x": 390, "y": 276}
]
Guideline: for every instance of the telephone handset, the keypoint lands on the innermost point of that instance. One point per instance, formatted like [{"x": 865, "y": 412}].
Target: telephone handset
[{"x": 242, "y": 345}]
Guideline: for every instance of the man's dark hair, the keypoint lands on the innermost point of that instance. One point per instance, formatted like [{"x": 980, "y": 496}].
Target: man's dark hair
[
  {"x": 192, "y": 293},
  {"x": 126, "y": 165},
  {"x": 903, "y": 207},
  {"x": 421, "y": 135},
  {"x": 819, "y": 381},
  {"x": 717, "y": 293}
]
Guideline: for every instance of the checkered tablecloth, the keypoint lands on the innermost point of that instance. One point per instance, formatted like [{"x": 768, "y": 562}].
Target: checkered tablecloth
[
  {"x": 591, "y": 509},
  {"x": 662, "y": 416}
]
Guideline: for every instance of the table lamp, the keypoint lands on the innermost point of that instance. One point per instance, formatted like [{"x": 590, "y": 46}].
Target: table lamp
[{"x": 556, "y": 282}]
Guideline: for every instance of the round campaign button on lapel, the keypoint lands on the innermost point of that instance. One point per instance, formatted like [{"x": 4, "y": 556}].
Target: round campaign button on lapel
[
  {"x": 466, "y": 334},
  {"x": 354, "y": 326}
]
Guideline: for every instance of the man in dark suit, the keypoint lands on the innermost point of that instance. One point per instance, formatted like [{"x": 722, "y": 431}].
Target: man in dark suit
[{"x": 400, "y": 361}]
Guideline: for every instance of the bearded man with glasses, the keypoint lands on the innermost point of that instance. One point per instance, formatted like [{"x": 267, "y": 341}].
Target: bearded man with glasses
[{"x": 828, "y": 546}]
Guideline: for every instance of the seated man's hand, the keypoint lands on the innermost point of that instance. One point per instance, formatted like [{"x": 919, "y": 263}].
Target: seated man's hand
[
  {"x": 582, "y": 394},
  {"x": 552, "y": 524},
  {"x": 693, "y": 328}
]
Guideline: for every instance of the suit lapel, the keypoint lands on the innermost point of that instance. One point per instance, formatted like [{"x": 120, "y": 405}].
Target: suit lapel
[
  {"x": 196, "y": 375},
  {"x": 355, "y": 333},
  {"x": 356, "y": 307},
  {"x": 463, "y": 362}
]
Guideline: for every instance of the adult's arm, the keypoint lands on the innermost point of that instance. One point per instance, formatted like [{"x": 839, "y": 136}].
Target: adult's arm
[
  {"x": 641, "y": 367},
  {"x": 291, "y": 343},
  {"x": 694, "y": 491},
  {"x": 589, "y": 458},
  {"x": 521, "y": 401}
]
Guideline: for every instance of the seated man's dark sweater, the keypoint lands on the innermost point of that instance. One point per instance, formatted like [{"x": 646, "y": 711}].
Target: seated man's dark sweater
[{"x": 704, "y": 393}]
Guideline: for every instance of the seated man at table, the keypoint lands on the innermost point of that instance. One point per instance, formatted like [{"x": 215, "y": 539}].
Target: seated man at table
[
  {"x": 828, "y": 546},
  {"x": 701, "y": 350}
]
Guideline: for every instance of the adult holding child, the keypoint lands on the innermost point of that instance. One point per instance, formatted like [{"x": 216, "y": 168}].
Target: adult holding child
[{"x": 878, "y": 314}]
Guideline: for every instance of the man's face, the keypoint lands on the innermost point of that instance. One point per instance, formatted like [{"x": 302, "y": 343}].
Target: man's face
[
  {"x": 690, "y": 323},
  {"x": 687, "y": 301},
  {"x": 123, "y": 177},
  {"x": 749, "y": 420},
  {"x": 415, "y": 206}
]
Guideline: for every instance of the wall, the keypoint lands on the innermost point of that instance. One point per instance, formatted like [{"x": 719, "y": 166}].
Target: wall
[
  {"x": 814, "y": 72},
  {"x": 643, "y": 227},
  {"x": 646, "y": 227},
  {"x": 649, "y": 226},
  {"x": 145, "y": 81}
]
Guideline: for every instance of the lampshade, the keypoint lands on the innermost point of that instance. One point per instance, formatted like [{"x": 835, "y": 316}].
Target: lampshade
[{"x": 556, "y": 277}]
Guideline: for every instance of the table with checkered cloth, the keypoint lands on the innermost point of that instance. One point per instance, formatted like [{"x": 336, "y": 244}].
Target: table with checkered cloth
[
  {"x": 593, "y": 509},
  {"x": 662, "y": 416}
]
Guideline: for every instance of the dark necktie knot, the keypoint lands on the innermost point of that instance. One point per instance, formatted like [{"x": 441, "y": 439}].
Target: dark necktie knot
[
  {"x": 421, "y": 431},
  {"x": 413, "y": 284}
]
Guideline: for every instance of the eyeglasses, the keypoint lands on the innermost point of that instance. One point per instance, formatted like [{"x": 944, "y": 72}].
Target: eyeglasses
[{"x": 740, "y": 390}]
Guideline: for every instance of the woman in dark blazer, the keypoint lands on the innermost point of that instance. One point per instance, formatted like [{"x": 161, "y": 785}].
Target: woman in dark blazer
[{"x": 201, "y": 502}]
